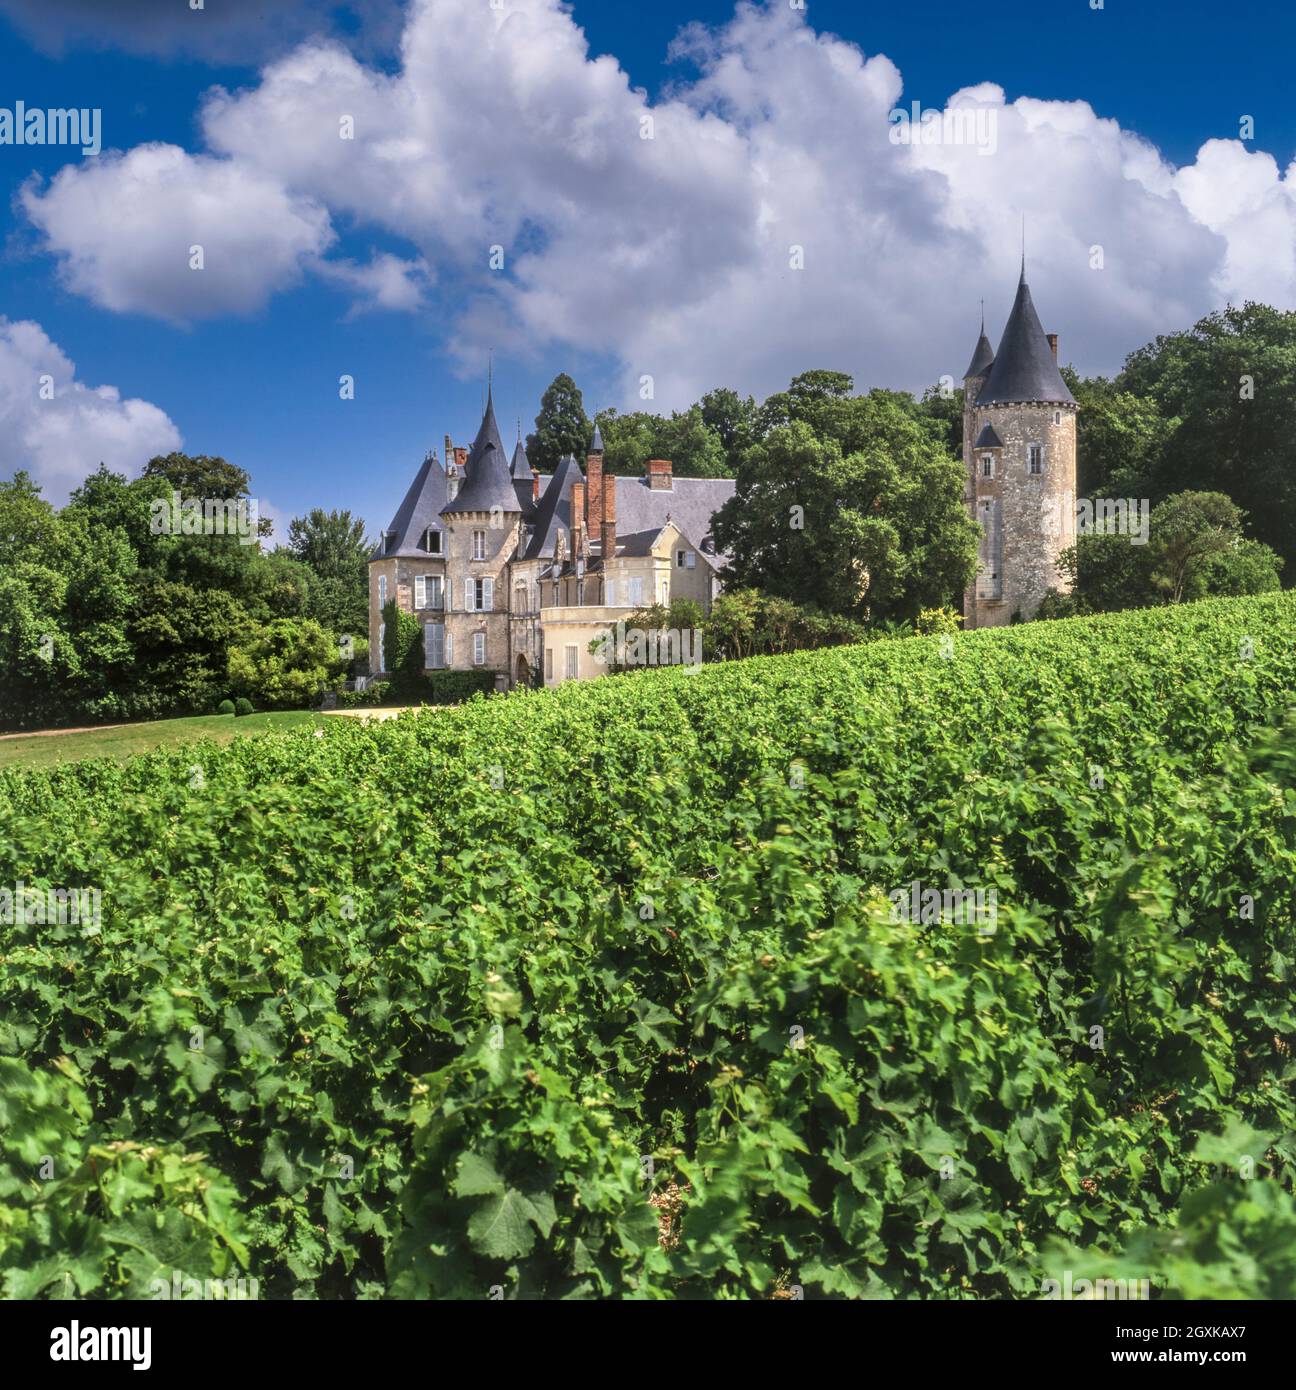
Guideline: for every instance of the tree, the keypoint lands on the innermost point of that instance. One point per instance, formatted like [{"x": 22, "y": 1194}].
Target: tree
[
  {"x": 1189, "y": 531},
  {"x": 732, "y": 419},
  {"x": 1226, "y": 390},
  {"x": 848, "y": 504},
  {"x": 284, "y": 664},
  {"x": 561, "y": 428},
  {"x": 683, "y": 437},
  {"x": 333, "y": 546}
]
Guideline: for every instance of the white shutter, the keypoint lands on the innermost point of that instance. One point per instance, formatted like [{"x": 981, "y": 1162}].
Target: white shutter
[
  {"x": 479, "y": 648},
  {"x": 488, "y": 595},
  {"x": 470, "y": 596},
  {"x": 609, "y": 593},
  {"x": 449, "y": 649},
  {"x": 691, "y": 562},
  {"x": 429, "y": 645},
  {"x": 382, "y": 642},
  {"x": 420, "y": 591},
  {"x": 636, "y": 592}
]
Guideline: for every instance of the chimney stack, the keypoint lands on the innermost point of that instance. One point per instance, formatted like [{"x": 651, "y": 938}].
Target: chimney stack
[
  {"x": 607, "y": 533},
  {"x": 594, "y": 489},
  {"x": 449, "y": 451},
  {"x": 577, "y": 520},
  {"x": 1052, "y": 341},
  {"x": 660, "y": 475}
]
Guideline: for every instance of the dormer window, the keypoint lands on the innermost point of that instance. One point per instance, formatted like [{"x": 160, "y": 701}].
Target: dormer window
[{"x": 432, "y": 541}]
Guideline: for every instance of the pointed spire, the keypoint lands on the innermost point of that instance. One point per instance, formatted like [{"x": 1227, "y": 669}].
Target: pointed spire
[
  {"x": 596, "y": 444},
  {"x": 1024, "y": 368},
  {"x": 983, "y": 354}
]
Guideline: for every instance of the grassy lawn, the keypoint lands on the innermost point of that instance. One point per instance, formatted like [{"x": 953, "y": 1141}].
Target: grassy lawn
[{"x": 44, "y": 750}]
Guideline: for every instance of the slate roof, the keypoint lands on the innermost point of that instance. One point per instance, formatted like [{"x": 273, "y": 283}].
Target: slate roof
[
  {"x": 596, "y": 445},
  {"x": 988, "y": 438},
  {"x": 488, "y": 482},
  {"x": 553, "y": 512},
  {"x": 1024, "y": 369},
  {"x": 690, "y": 503},
  {"x": 982, "y": 358},
  {"x": 521, "y": 466},
  {"x": 420, "y": 509}
]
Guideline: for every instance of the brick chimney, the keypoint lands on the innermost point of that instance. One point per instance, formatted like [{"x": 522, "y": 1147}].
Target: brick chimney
[
  {"x": 461, "y": 457},
  {"x": 1052, "y": 341},
  {"x": 594, "y": 489},
  {"x": 607, "y": 532},
  {"x": 577, "y": 519},
  {"x": 660, "y": 475}
]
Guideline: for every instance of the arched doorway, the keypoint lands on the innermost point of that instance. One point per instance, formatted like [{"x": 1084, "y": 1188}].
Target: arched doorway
[{"x": 522, "y": 680}]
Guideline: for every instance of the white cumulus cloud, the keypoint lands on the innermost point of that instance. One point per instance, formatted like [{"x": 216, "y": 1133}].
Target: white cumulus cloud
[
  {"x": 755, "y": 220},
  {"x": 58, "y": 428}
]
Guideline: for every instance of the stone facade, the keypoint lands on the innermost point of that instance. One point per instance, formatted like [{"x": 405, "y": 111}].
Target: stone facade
[{"x": 1019, "y": 459}]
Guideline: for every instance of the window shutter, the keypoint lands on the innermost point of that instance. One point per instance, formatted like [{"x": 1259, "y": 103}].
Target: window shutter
[
  {"x": 429, "y": 645},
  {"x": 420, "y": 591},
  {"x": 609, "y": 593},
  {"x": 469, "y": 595},
  {"x": 488, "y": 595},
  {"x": 449, "y": 649}
]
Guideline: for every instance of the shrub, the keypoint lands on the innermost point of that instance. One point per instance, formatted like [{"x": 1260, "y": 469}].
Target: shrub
[
  {"x": 243, "y": 706},
  {"x": 498, "y": 954},
  {"x": 225, "y": 707}
]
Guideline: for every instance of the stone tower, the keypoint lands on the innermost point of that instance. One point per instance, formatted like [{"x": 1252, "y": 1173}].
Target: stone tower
[{"x": 1019, "y": 457}]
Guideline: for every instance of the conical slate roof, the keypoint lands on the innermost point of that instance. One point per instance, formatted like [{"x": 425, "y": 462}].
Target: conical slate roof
[
  {"x": 982, "y": 358},
  {"x": 487, "y": 481},
  {"x": 988, "y": 438},
  {"x": 596, "y": 445},
  {"x": 521, "y": 468},
  {"x": 1024, "y": 369},
  {"x": 418, "y": 512},
  {"x": 554, "y": 512}
]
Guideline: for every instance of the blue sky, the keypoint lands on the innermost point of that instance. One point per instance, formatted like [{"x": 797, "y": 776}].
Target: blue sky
[{"x": 610, "y": 273}]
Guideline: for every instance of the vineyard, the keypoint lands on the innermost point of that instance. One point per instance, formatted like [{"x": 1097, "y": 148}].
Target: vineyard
[{"x": 603, "y": 991}]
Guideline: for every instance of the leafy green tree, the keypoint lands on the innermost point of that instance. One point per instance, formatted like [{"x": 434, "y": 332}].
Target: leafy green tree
[
  {"x": 629, "y": 441},
  {"x": 732, "y": 419},
  {"x": 1226, "y": 389},
  {"x": 1188, "y": 532},
  {"x": 849, "y": 505},
  {"x": 561, "y": 428},
  {"x": 284, "y": 664},
  {"x": 333, "y": 546}
]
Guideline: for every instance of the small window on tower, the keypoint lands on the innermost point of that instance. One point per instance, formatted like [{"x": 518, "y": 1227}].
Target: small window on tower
[
  {"x": 987, "y": 466},
  {"x": 1035, "y": 458},
  {"x": 1057, "y": 417}
]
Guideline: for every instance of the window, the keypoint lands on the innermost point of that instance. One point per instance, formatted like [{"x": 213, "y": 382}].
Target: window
[
  {"x": 382, "y": 642},
  {"x": 691, "y": 560},
  {"x": 987, "y": 466},
  {"x": 548, "y": 663},
  {"x": 573, "y": 656},
  {"x": 1035, "y": 458},
  {"x": 434, "y": 645},
  {"x": 479, "y": 545},
  {"x": 427, "y": 591},
  {"x": 479, "y": 648},
  {"x": 636, "y": 592},
  {"x": 479, "y": 595},
  {"x": 989, "y": 580},
  {"x": 1057, "y": 417},
  {"x": 432, "y": 544},
  {"x": 663, "y": 593},
  {"x": 679, "y": 559},
  {"x": 382, "y": 590},
  {"x": 580, "y": 593},
  {"x": 609, "y": 593}
]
